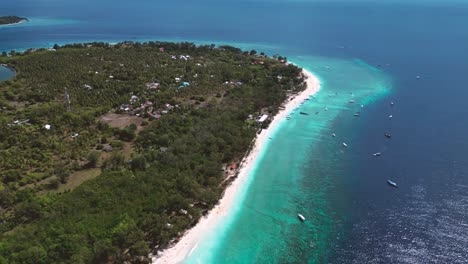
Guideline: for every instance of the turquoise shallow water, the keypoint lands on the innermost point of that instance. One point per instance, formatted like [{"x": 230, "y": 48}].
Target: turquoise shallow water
[{"x": 296, "y": 174}]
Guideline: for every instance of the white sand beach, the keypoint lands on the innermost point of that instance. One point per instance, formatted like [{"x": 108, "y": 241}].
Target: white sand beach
[{"x": 181, "y": 250}]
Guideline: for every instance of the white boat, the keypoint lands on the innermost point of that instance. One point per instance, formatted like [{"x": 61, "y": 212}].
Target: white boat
[
  {"x": 392, "y": 183},
  {"x": 351, "y": 101},
  {"x": 377, "y": 154},
  {"x": 345, "y": 145},
  {"x": 333, "y": 135},
  {"x": 390, "y": 116},
  {"x": 301, "y": 217}
]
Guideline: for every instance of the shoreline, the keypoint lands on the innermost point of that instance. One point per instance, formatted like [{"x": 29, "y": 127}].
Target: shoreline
[
  {"x": 16, "y": 23},
  {"x": 189, "y": 241}
]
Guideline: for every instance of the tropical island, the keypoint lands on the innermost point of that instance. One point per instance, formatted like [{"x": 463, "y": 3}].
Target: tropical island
[
  {"x": 8, "y": 20},
  {"x": 110, "y": 152}
]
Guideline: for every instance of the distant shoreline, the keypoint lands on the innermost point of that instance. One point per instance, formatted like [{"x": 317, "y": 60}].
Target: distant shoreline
[
  {"x": 20, "y": 20},
  {"x": 189, "y": 241}
]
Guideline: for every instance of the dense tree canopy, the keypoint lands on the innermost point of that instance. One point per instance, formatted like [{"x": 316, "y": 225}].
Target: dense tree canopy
[{"x": 158, "y": 176}]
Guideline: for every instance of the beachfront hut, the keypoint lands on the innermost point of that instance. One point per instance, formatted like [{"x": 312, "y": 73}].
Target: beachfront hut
[{"x": 262, "y": 118}]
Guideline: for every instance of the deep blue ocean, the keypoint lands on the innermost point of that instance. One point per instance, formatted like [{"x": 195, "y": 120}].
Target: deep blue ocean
[{"x": 368, "y": 51}]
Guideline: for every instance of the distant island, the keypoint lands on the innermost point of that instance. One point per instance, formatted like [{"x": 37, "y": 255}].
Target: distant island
[{"x": 8, "y": 20}]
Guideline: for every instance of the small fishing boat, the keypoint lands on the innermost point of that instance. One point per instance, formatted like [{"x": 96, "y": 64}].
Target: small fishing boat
[
  {"x": 333, "y": 135},
  {"x": 303, "y": 113},
  {"x": 387, "y": 135},
  {"x": 377, "y": 154},
  {"x": 392, "y": 183},
  {"x": 357, "y": 114},
  {"x": 362, "y": 106},
  {"x": 316, "y": 113},
  {"x": 301, "y": 217},
  {"x": 392, "y": 103},
  {"x": 418, "y": 77},
  {"x": 345, "y": 145},
  {"x": 288, "y": 117},
  {"x": 351, "y": 101},
  {"x": 326, "y": 108},
  {"x": 390, "y": 116}
]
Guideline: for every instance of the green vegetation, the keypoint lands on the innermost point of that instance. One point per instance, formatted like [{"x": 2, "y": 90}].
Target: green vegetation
[
  {"x": 4, "y": 20},
  {"x": 180, "y": 112}
]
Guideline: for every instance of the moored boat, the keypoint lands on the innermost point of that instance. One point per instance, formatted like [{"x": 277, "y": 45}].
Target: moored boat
[
  {"x": 345, "y": 145},
  {"x": 377, "y": 154},
  {"x": 301, "y": 217},
  {"x": 392, "y": 183},
  {"x": 387, "y": 135}
]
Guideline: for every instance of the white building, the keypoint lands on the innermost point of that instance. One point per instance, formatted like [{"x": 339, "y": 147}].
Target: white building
[{"x": 263, "y": 118}]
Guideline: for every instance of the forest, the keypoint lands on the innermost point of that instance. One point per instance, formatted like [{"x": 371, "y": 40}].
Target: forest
[{"x": 110, "y": 151}]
